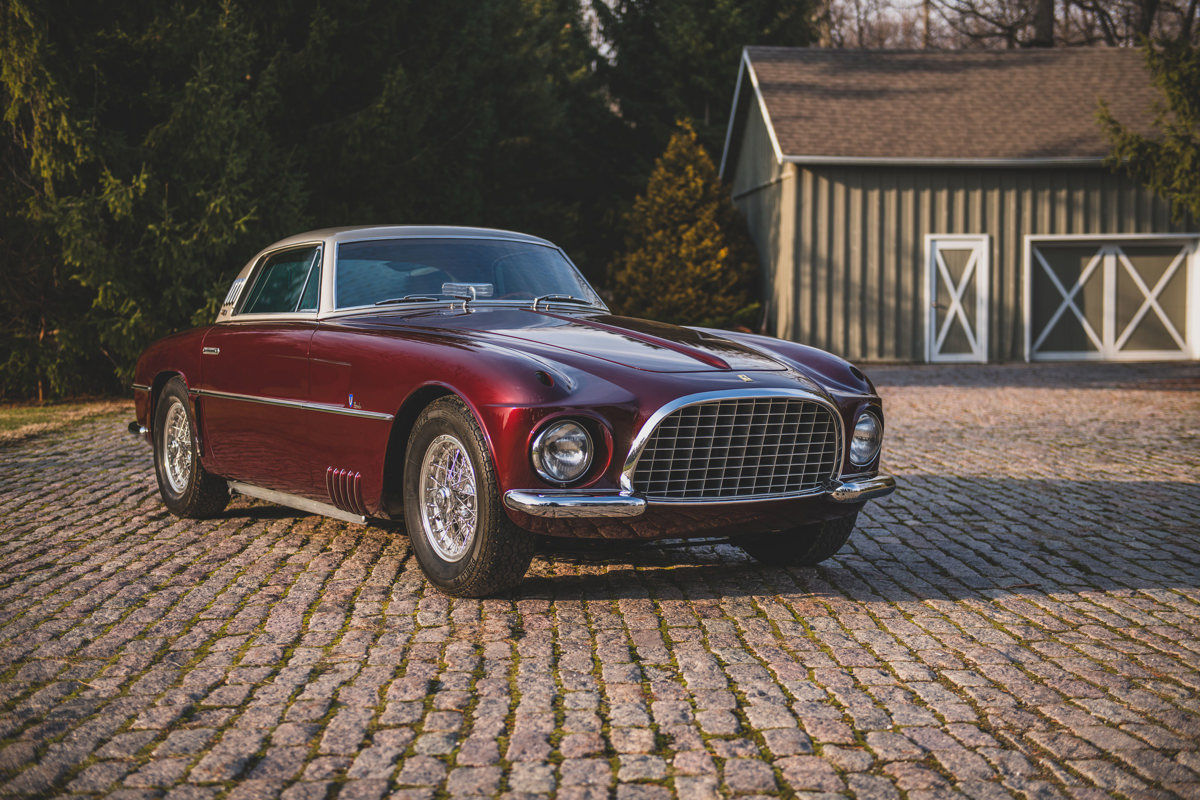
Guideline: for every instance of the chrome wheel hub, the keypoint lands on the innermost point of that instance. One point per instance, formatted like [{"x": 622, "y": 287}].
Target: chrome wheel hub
[
  {"x": 447, "y": 496},
  {"x": 177, "y": 447}
]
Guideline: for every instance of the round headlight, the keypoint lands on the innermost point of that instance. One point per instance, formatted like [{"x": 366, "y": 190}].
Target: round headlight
[
  {"x": 562, "y": 452},
  {"x": 868, "y": 436}
]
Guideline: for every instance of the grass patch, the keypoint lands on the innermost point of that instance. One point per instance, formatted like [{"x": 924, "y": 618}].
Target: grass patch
[{"x": 22, "y": 421}]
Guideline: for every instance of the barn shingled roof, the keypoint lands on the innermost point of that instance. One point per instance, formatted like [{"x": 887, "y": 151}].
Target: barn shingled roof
[{"x": 943, "y": 107}]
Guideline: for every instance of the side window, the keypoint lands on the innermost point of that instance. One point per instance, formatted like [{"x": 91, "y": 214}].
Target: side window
[
  {"x": 286, "y": 282},
  {"x": 311, "y": 296}
]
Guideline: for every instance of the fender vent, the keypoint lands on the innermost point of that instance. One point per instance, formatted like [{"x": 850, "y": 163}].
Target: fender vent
[{"x": 345, "y": 490}]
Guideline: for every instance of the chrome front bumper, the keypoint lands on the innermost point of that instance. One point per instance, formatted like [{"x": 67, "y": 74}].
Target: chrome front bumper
[
  {"x": 574, "y": 506},
  {"x": 859, "y": 490},
  {"x": 570, "y": 506}
]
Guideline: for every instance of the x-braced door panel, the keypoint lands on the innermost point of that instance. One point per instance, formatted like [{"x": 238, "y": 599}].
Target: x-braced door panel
[
  {"x": 956, "y": 285},
  {"x": 1115, "y": 299}
]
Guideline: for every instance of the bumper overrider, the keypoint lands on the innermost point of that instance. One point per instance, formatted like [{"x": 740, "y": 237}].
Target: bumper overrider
[{"x": 575, "y": 505}]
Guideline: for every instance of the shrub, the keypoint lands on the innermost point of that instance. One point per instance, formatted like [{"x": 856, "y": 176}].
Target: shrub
[{"x": 688, "y": 255}]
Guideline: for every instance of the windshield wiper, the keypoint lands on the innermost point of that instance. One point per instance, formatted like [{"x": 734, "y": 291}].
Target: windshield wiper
[
  {"x": 408, "y": 298},
  {"x": 559, "y": 298}
]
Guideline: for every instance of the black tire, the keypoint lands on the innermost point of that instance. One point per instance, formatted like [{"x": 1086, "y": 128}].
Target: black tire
[
  {"x": 464, "y": 541},
  {"x": 187, "y": 489},
  {"x": 802, "y": 546}
]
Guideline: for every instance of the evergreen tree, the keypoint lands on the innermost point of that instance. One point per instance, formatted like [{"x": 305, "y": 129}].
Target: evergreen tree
[
  {"x": 679, "y": 59},
  {"x": 688, "y": 258},
  {"x": 150, "y": 148},
  {"x": 1170, "y": 163}
]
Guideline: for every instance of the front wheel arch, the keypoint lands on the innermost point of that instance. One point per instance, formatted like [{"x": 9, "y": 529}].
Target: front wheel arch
[
  {"x": 392, "y": 501},
  {"x": 450, "y": 477}
]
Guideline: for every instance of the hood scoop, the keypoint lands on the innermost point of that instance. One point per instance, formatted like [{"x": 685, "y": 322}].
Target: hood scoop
[
  {"x": 640, "y": 344},
  {"x": 703, "y": 356},
  {"x": 632, "y": 343}
]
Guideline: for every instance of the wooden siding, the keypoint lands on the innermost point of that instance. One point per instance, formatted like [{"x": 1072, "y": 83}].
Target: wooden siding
[
  {"x": 854, "y": 238},
  {"x": 756, "y": 167},
  {"x": 760, "y": 190}
]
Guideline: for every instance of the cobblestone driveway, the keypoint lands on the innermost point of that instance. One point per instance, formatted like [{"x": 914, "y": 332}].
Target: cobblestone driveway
[{"x": 1021, "y": 619}]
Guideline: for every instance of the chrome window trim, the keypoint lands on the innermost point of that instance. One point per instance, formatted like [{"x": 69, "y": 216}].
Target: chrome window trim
[
  {"x": 300, "y": 404},
  {"x": 318, "y": 261},
  {"x": 456, "y": 305},
  {"x": 651, "y": 424},
  {"x": 344, "y": 237},
  {"x": 338, "y": 241},
  {"x": 255, "y": 272},
  {"x": 274, "y": 316}
]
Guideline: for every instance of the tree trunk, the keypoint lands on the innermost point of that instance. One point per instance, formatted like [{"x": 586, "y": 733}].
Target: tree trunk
[
  {"x": 1043, "y": 24},
  {"x": 1146, "y": 11}
]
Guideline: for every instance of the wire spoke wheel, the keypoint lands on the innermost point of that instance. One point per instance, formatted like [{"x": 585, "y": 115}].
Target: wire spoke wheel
[
  {"x": 177, "y": 447},
  {"x": 449, "y": 511},
  {"x": 460, "y": 533},
  {"x": 187, "y": 488}
]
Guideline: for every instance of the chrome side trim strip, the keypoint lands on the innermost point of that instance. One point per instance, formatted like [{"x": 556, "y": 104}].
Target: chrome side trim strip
[
  {"x": 574, "y": 506},
  {"x": 863, "y": 489},
  {"x": 301, "y": 404},
  {"x": 295, "y": 501},
  {"x": 140, "y": 387}
]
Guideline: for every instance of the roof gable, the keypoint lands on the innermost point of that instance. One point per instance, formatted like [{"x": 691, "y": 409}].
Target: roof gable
[{"x": 941, "y": 107}]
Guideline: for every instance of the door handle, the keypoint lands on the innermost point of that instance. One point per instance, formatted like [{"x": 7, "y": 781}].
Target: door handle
[{"x": 211, "y": 351}]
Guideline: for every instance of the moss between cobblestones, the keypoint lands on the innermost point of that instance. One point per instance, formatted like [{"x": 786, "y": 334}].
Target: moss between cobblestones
[
  {"x": 556, "y": 736},
  {"x": 1116, "y": 608},
  {"x": 239, "y": 653},
  {"x": 131, "y": 608},
  {"x": 516, "y": 633}
]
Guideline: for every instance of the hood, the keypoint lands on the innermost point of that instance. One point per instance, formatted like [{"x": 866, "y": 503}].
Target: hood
[{"x": 634, "y": 343}]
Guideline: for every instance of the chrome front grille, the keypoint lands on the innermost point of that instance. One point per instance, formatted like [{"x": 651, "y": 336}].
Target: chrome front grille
[{"x": 739, "y": 448}]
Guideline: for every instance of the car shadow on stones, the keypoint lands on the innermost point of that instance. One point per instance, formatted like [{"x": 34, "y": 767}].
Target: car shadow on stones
[
  {"x": 1168, "y": 375},
  {"x": 948, "y": 538},
  {"x": 1010, "y": 536}
]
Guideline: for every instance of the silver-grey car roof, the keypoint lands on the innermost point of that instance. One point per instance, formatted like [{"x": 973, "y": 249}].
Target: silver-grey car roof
[{"x": 357, "y": 232}]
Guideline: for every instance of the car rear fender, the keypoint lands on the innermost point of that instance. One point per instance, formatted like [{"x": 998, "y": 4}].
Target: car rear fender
[{"x": 157, "y": 386}]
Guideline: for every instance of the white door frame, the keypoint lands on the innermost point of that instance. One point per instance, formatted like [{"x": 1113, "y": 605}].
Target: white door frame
[
  {"x": 1108, "y": 259},
  {"x": 978, "y": 271}
]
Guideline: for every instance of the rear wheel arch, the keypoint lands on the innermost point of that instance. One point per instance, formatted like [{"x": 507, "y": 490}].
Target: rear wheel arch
[
  {"x": 186, "y": 487},
  {"x": 156, "y": 389}
]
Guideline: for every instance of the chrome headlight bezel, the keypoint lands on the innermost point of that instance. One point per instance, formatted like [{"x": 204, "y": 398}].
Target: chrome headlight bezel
[
  {"x": 563, "y": 452},
  {"x": 866, "y": 439}
]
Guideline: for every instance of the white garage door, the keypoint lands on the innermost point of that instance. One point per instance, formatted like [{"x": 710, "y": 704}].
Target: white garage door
[
  {"x": 1116, "y": 298},
  {"x": 956, "y": 293}
]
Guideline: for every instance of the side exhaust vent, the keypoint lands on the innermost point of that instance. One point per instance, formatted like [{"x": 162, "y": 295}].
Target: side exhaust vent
[{"x": 345, "y": 490}]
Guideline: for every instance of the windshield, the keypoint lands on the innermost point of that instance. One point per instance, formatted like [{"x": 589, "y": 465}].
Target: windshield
[{"x": 480, "y": 270}]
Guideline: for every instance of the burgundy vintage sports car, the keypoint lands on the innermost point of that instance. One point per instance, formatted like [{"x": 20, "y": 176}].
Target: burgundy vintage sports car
[{"x": 471, "y": 383}]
